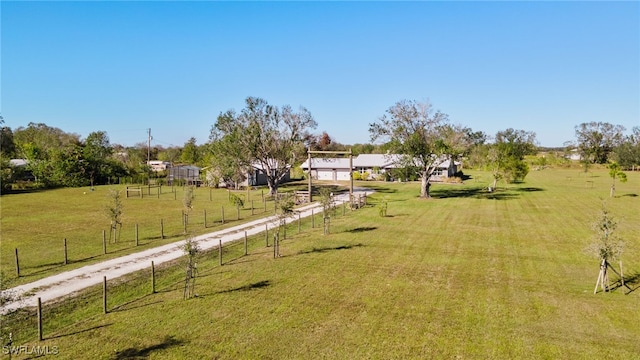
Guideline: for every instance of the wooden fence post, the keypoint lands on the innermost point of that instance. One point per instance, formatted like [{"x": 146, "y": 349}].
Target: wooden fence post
[
  {"x": 205, "y": 218},
  {"x": 266, "y": 234},
  {"x": 104, "y": 294},
  {"x": 17, "y": 264},
  {"x": 153, "y": 278},
  {"x": 264, "y": 202},
  {"x": 104, "y": 242},
  {"x": 65, "y": 251},
  {"x": 220, "y": 251},
  {"x": 137, "y": 238},
  {"x": 245, "y": 243},
  {"x": 161, "y": 229},
  {"x": 40, "y": 337},
  {"x": 238, "y": 210}
]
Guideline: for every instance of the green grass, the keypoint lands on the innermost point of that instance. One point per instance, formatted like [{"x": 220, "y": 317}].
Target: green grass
[
  {"x": 37, "y": 224},
  {"x": 468, "y": 274}
]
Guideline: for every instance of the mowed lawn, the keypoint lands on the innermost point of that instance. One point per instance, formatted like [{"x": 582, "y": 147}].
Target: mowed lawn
[
  {"x": 38, "y": 223},
  {"x": 467, "y": 275}
]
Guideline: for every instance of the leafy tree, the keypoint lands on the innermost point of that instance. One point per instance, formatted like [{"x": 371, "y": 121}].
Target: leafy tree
[
  {"x": 96, "y": 153},
  {"x": 190, "y": 152},
  {"x": 616, "y": 173},
  {"x": 263, "y": 137},
  {"x": 506, "y": 155},
  {"x": 422, "y": 135},
  {"x": 7, "y": 145},
  {"x": 627, "y": 154},
  {"x": 596, "y": 140}
]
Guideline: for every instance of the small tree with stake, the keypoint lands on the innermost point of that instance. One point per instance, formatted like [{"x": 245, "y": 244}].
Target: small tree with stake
[
  {"x": 326, "y": 199},
  {"x": 114, "y": 212},
  {"x": 285, "y": 209},
  {"x": 616, "y": 173},
  {"x": 187, "y": 201},
  {"x": 607, "y": 247},
  {"x": 191, "y": 250}
]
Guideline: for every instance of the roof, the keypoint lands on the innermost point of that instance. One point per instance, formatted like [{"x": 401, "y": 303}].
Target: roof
[
  {"x": 18, "y": 162},
  {"x": 326, "y": 163},
  {"x": 376, "y": 160}
]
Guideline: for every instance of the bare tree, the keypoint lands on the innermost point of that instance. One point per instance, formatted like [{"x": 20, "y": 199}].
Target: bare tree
[
  {"x": 191, "y": 250},
  {"x": 187, "y": 201},
  {"x": 114, "y": 212}
]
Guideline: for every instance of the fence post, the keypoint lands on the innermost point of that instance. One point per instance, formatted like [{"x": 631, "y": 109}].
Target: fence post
[
  {"x": 137, "y": 242},
  {"x": 153, "y": 278},
  {"x": 205, "y": 218},
  {"x": 245, "y": 243},
  {"x": 238, "y": 210},
  {"x": 161, "y": 229},
  {"x": 220, "y": 251},
  {"x": 266, "y": 234},
  {"x": 65, "y": 251},
  {"x": 17, "y": 264},
  {"x": 265, "y": 203},
  {"x": 104, "y": 294},
  {"x": 104, "y": 242},
  {"x": 40, "y": 337}
]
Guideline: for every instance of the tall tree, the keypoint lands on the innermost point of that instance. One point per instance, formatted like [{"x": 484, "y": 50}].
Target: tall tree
[
  {"x": 190, "y": 152},
  {"x": 422, "y": 135},
  {"x": 97, "y": 152},
  {"x": 596, "y": 140},
  {"x": 263, "y": 137}
]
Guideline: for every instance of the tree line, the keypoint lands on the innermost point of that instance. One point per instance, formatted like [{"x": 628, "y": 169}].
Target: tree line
[{"x": 272, "y": 139}]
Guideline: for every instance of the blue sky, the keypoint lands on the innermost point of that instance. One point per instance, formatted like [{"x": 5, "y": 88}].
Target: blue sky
[{"x": 123, "y": 67}]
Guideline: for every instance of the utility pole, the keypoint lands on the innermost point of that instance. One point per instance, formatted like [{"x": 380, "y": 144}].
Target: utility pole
[{"x": 149, "y": 146}]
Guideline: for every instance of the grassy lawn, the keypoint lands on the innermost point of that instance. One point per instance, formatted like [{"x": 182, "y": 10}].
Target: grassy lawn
[
  {"x": 467, "y": 275},
  {"x": 37, "y": 224}
]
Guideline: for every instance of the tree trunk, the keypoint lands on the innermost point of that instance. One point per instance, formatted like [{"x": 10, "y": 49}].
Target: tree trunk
[{"x": 426, "y": 184}]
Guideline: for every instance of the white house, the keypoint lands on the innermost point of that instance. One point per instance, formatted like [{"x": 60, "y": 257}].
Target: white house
[
  {"x": 337, "y": 169},
  {"x": 159, "y": 165}
]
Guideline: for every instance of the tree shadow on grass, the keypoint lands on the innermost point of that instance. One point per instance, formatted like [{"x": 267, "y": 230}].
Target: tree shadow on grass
[
  {"x": 381, "y": 189},
  {"x": 481, "y": 193},
  {"x": 362, "y": 229},
  {"x": 129, "y": 304},
  {"x": 144, "y": 352},
  {"x": 78, "y": 332},
  {"x": 631, "y": 283},
  {"x": 325, "y": 249},
  {"x": 249, "y": 287}
]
